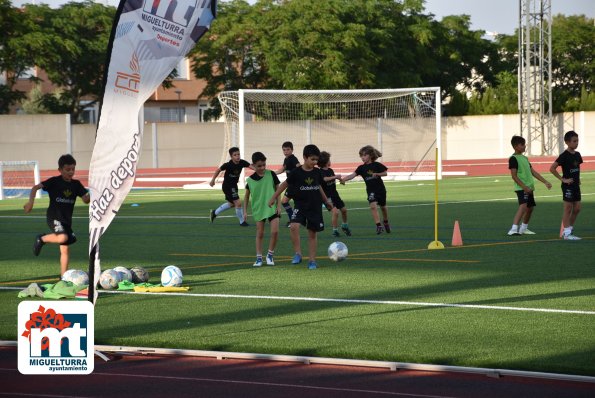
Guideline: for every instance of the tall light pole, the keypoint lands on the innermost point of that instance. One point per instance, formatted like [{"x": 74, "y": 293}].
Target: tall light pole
[{"x": 179, "y": 92}]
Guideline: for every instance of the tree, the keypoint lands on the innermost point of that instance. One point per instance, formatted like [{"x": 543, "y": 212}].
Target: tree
[
  {"x": 14, "y": 56},
  {"x": 501, "y": 98},
  {"x": 70, "y": 45}
]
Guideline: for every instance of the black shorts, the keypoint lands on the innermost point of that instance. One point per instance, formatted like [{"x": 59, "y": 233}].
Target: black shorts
[
  {"x": 271, "y": 218},
  {"x": 378, "y": 197},
  {"x": 571, "y": 193},
  {"x": 336, "y": 201},
  {"x": 60, "y": 228},
  {"x": 309, "y": 218},
  {"x": 231, "y": 193},
  {"x": 525, "y": 197}
]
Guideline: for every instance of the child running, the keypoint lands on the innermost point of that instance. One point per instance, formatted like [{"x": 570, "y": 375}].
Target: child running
[
  {"x": 261, "y": 186},
  {"x": 62, "y": 190},
  {"x": 330, "y": 189},
  {"x": 233, "y": 170},
  {"x": 372, "y": 171},
  {"x": 306, "y": 182}
]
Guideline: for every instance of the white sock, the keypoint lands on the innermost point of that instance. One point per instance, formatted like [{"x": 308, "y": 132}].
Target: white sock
[
  {"x": 222, "y": 208},
  {"x": 515, "y": 227},
  {"x": 240, "y": 214},
  {"x": 523, "y": 227},
  {"x": 567, "y": 231}
]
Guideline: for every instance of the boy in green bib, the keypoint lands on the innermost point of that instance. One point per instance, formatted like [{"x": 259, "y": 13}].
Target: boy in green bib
[
  {"x": 523, "y": 176},
  {"x": 261, "y": 186}
]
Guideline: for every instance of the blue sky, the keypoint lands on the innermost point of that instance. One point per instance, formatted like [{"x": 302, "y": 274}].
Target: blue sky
[{"x": 500, "y": 16}]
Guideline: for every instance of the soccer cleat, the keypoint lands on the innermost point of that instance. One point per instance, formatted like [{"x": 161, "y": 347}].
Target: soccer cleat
[
  {"x": 297, "y": 259},
  {"x": 270, "y": 260},
  {"x": 38, "y": 244},
  {"x": 513, "y": 231},
  {"x": 387, "y": 227},
  {"x": 379, "y": 229},
  {"x": 244, "y": 224},
  {"x": 212, "y": 216},
  {"x": 527, "y": 232},
  {"x": 346, "y": 230},
  {"x": 312, "y": 265},
  {"x": 258, "y": 262},
  {"x": 336, "y": 233},
  {"x": 571, "y": 237}
]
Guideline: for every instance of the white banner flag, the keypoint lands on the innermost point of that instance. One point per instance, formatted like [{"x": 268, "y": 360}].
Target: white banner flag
[{"x": 148, "y": 40}]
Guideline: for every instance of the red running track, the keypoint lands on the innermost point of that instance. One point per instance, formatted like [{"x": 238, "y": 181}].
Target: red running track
[{"x": 177, "y": 376}]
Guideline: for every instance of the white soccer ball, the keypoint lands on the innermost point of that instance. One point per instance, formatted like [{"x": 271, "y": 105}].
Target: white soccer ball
[
  {"x": 125, "y": 274},
  {"x": 109, "y": 279},
  {"x": 76, "y": 276},
  {"x": 139, "y": 275},
  {"x": 337, "y": 251},
  {"x": 171, "y": 276}
]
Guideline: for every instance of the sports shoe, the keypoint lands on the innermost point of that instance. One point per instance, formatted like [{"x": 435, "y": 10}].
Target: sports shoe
[
  {"x": 212, "y": 215},
  {"x": 312, "y": 265},
  {"x": 387, "y": 227},
  {"x": 244, "y": 224},
  {"x": 571, "y": 237},
  {"x": 379, "y": 229},
  {"x": 336, "y": 233},
  {"x": 513, "y": 231},
  {"x": 38, "y": 244},
  {"x": 346, "y": 230},
  {"x": 258, "y": 262},
  {"x": 270, "y": 260},
  {"x": 297, "y": 259},
  {"x": 527, "y": 232}
]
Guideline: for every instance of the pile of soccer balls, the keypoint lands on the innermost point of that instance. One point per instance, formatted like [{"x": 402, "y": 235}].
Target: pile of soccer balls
[{"x": 110, "y": 278}]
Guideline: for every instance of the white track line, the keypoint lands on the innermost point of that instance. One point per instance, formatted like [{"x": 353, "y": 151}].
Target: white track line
[{"x": 347, "y": 301}]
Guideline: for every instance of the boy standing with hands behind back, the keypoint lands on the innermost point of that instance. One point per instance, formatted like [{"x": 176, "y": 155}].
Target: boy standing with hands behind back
[
  {"x": 524, "y": 184},
  {"x": 570, "y": 160}
]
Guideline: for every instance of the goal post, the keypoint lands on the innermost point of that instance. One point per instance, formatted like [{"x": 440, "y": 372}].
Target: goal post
[
  {"x": 17, "y": 178},
  {"x": 403, "y": 124}
]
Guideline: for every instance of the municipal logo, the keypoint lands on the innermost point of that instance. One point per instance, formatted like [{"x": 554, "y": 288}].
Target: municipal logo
[{"x": 55, "y": 337}]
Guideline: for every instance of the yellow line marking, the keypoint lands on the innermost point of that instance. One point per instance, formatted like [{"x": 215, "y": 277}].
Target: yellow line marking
[{"x": 29, "y": 281}]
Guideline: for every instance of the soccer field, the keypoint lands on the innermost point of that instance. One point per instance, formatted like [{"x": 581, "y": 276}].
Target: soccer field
[{"x": 522, "y": 302}]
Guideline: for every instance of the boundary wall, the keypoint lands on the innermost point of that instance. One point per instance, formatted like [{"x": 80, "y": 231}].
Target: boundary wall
[{"x": 180, "y": 145}]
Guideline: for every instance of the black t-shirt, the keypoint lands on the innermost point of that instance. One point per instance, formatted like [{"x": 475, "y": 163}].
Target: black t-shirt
[
  {"x": 305, "y": 188},
  {"x": 570, "y": 163},
  {"x": 233, "y": 171},
  {"x": 62, "y": 198},
  {"x": 329, "y": 187},
  {"x": 290, "y": 163},
  {"x": 373, "y": 184}
]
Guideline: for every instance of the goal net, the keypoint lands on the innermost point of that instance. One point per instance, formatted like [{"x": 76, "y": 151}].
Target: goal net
[
  {"x": 17, "y": 178},
  {"x": 400, "y": 123}
]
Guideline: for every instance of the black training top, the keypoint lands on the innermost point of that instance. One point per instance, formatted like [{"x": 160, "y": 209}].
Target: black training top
[
  {"x": 570, "y": 163},
  {"x": 62, "y": 198},
  {"x": 233, "y": 171},
  {"x": 290, "y": 163},
  {"x": 373, "y": 184},
  {"x": 305, "y": 187},
  {"x": 329, "y": 187}
]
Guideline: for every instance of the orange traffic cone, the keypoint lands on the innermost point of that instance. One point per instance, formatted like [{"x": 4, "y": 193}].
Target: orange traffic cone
[
  {"x": 562, "y": 229},
  {"x": 457, "y": 240}
]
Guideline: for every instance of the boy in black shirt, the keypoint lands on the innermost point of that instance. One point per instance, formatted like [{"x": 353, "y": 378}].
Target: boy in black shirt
[
  {"x": 306, "y": 184},
  {"x": 570, "y": 161},
  {"x": 233, "y": 170},
  {"x": 330, "y": 189},
  {"x": 289, "y": 164},
  {"x": 62, "y": 190}
]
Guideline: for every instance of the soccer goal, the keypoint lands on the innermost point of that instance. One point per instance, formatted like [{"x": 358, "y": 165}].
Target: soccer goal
[
  {"x": 17, "y": 178},
  {"x": 400, "y": 123}
]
